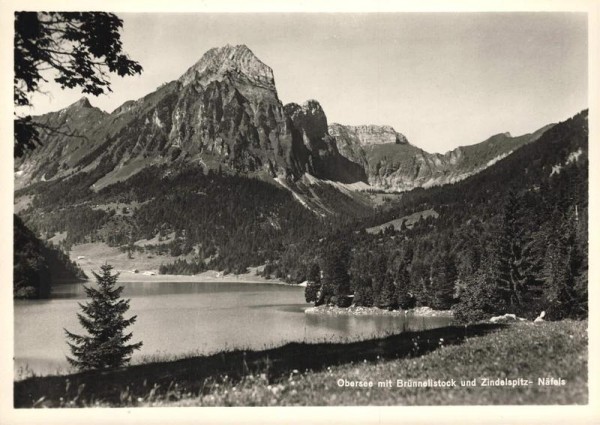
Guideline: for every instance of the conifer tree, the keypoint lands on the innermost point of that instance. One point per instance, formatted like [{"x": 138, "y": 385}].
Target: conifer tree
[
  {"x": 444, "y": 275},
  {"x": 314, "y": 283},
  {"x": 388, "y": 296},
  {"x": 361, "y": 281},
  {"x": 106, "y": 345},
  {"x": 480, "y": 298},
  {"x": 336, "y": 281},
  {"x": 563, "y": 267},
  {"x": 405, "y": 298},
  {"x": 516, "y": 269}
]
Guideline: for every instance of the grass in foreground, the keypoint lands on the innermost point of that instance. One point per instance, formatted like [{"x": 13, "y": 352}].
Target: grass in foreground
[
  {"x": 522, "y": 350},
  {"x": 308, "y": 374}
]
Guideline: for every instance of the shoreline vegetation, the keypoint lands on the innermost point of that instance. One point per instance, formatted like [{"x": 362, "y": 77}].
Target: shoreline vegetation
[
  {"x": 309, "y": 374},
  {"x": 376, "y": 311},
  {"x": 126, "y": 275}
]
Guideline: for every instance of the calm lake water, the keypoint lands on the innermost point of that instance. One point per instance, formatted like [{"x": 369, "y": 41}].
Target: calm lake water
[{"x": 176, "y": 319}]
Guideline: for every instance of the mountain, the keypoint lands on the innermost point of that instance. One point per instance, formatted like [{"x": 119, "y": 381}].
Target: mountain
[
  {"x": 392, "y": 163},
  {"x": 213, "y": 171},
  {"x": 223, "y": 112},
  {"x": 512, "y": 238}
]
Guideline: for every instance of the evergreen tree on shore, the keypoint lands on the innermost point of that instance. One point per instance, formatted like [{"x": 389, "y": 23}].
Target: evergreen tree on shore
[
  {"x": 405, "y": 298},
  {"x": 445, "y": 275},
  {"x": 102, "y": 317},
  {"x": 564, "y": 262},
  {"x": 314, "y": 283},
  {"x": 336, "y": 281},
  {"x": 516, "y": 268}
]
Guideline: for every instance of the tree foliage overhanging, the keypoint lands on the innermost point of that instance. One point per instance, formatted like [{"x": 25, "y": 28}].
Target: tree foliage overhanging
[{"x": 74, "y": 49}]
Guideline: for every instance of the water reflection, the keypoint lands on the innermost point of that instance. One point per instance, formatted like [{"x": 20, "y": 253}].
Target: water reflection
[
  {"x": 76, "y": 290},
  {"x": 181, "y": 318}
]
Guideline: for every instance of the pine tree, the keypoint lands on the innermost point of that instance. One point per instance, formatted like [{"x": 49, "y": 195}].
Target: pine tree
[
  {"x": 336, "y": 281},
  {"x": 563, "y": 267},
  {"x": 314, "y": 283},
  {"x": 517, "y": 267},
  {"x": 105, "y": 346},
  {"x": 360, "y": 278},
  {"x": 444, "y": 275},
  {"x": 480, "y": 298},
  {"x": 405, "y": 298},
  {"x": 388, "y": 297}
]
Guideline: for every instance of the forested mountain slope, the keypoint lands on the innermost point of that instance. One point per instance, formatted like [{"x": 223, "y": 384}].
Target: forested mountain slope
[{"x": 512, "y": 238}]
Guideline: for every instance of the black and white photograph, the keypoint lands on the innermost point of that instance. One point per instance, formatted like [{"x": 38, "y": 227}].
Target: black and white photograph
[{"x": 253, "y": 208}]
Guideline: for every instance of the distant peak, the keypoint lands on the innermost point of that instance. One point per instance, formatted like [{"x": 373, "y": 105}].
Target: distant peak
[
  {"x": 500, "y": 137},
  {"x": 81, "y": 103},
  {"x": 371, "y": 134},
  {"x": 233, "y": 61}
]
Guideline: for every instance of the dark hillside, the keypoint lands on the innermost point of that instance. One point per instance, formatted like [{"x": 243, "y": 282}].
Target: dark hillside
[{"x": 37, "y": 265}]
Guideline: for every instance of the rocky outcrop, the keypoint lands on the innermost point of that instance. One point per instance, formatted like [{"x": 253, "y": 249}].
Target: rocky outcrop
[
  {"x": 323, "y": 159},
  {"x": 223, "y": 112},
  {"x": 366, "y": 135},
  {"x": 392, "y": 163},
  {"x": 236, "y": 63}
]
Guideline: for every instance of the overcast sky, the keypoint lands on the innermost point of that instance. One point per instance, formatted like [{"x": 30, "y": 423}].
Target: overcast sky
[{"x": 442, "y": 79}]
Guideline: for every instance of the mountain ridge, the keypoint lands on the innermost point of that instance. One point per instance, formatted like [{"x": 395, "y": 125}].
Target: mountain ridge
[
  {"x": 224, "y": 113},
  {"x": 392, "y": 163}
]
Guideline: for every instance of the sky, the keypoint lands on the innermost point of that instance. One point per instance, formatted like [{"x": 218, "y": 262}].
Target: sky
[{"x": 442, "y": 79}]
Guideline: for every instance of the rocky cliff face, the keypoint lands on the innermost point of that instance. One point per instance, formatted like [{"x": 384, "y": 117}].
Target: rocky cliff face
[
  {"x": 223, "y": 112},
  {"x": 367, "y": 135},
  {"x": 352, "y": 140},
  {"x": 392, "y": 163},
  {"x": 320, "y": 152},
  {"x": 237, "y": 63}
]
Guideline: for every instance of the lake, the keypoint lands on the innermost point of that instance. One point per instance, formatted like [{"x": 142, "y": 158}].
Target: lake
[{"x": 177, "y": 319}]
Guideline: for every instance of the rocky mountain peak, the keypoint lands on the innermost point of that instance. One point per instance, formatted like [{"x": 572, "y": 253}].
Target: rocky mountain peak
[
  {"x": 81, "y": 103},
  {"x": 237, "y": 62},
  {"x": 309, "y": 117}
]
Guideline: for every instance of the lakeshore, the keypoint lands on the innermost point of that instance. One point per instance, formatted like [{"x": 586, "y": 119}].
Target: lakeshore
[
  {"x": 209, "y": 276},
  {"x": 552, "y": 355},
  {"x": 375, "y": 311},
  {"x": 144, "y": 268}
]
